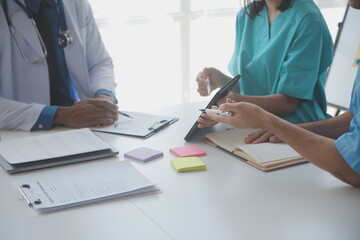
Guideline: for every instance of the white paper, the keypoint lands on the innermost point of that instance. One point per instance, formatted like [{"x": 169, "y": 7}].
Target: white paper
[
  {"x": 263, "y": 152},
  {"x": 269, "y": 152},
  {"x": 141, "y": 124},
  {"x": 83, "y": 184},
  {"x": 51, "y": 145}
]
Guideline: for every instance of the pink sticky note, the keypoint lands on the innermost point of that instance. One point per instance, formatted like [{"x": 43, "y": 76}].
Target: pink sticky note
[
  {"x": 188, "y": 151},
  {"x": 143, "y": 154}
]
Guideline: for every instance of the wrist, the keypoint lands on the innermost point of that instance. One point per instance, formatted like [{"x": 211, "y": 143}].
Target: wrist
[
  {"x": 60, "y": 116},
  {"x": 268, "y": 121}
]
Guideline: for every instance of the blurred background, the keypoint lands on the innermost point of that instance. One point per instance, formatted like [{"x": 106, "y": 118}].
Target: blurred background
[{"x": 159, "y": 46}]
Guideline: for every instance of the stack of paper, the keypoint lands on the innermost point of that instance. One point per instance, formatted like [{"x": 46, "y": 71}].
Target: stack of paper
[{"x": 52, "y": 149}]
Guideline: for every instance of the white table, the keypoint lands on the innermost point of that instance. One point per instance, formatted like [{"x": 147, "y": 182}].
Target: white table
[{"x": 230, "y": 200}]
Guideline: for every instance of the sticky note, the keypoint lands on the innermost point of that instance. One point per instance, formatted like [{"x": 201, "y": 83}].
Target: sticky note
[
  {"x": 188, "y": 164},
  {"x": 188, "y": 151},
  {"x": 144, "y": 154}
]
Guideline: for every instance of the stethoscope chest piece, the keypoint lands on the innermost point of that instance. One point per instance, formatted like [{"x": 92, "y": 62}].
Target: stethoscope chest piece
[{"x": 64, "y": 38}]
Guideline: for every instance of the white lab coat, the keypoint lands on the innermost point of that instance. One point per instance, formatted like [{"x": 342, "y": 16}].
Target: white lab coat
[{"x": 24, "y": 87}]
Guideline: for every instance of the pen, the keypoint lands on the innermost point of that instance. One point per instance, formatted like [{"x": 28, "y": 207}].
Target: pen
[
  {"x": 218, "y": 112},
  {"x": 118, "y": 112},
  {"x": 208, "y": 86}
]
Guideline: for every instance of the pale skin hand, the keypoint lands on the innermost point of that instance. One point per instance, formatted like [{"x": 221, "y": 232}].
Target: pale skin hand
[
  {"x": 278, "y": 104},
  {"x": 331, "y": 128},
  {"x": 319, "y": 150},
  {"x": 91, "y": 112},
  {"x": 217, "y": 79}
]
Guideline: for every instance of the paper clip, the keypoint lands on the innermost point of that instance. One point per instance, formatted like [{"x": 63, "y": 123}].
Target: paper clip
[{"x": 30, "y": 201}]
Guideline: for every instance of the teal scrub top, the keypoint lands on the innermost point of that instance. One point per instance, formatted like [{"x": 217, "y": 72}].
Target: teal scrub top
[
  {"x": 348, "y": 144},
  {"x": 291, "y": 57}
]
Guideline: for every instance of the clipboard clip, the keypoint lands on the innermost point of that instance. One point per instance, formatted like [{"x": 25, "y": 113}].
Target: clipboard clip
[
  {"x": 157, "y": 125},
  {"x": 29, "y": 195}
]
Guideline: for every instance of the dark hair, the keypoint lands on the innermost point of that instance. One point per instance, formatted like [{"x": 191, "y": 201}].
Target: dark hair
[{"x": 252, "y": 8}]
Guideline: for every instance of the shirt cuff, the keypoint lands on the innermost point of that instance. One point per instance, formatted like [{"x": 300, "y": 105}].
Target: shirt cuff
[
  {"x": 46, "y": 118},
  {"x": 106, "y": 92}
]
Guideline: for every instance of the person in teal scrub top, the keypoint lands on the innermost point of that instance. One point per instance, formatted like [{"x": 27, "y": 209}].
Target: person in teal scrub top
[
  {"x": 282, "y": 51},
  {"x": 331, "y": 144}
]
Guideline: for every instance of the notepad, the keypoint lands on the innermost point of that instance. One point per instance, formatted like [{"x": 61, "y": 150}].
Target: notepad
[
  {"x": 144, "y": 154},
  {"x": 188, "y": 164},
  {"x": 265, "y": 156},
  {"x": 188, "y": 151}
]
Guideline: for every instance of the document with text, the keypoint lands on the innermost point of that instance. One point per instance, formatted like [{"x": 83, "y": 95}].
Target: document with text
[
  {"x": 83, "y": 184},
  {"x": 52, "y": 145}
]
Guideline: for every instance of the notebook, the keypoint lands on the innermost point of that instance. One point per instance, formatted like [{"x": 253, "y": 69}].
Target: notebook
[{"x": 265, "y": 156}]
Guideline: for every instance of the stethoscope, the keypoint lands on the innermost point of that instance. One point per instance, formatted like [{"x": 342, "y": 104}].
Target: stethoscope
[{"x": 64, "y": 38}]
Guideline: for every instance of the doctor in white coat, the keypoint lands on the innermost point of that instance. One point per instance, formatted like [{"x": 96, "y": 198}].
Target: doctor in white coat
[{"x": 24, "y": 74}]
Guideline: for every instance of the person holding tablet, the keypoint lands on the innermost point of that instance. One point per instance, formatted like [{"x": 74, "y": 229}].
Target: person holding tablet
[
  {"x": 331, "y": 144},
  {"x": 282, "y": 51}
]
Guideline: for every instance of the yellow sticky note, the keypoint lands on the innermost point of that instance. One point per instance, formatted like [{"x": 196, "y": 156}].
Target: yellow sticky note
[{"x": 185, "y": 164}]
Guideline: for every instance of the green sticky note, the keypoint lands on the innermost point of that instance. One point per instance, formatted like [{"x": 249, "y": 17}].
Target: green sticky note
[{"x": 185, "y": 164}]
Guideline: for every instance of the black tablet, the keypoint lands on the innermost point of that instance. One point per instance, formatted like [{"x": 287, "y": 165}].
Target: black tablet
[{"x": 220, "y": 94}]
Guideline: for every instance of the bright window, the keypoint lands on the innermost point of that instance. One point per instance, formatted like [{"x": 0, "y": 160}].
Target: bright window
[{"x": 159, "y": 46}]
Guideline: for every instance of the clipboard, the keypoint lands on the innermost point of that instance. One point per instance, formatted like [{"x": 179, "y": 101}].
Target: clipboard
[
  {"x": 63, "y": 188},
  {"x": 220, "y": 94},
  {"x": 72, "y": 146},
  {"x": 142, "y": 125}
]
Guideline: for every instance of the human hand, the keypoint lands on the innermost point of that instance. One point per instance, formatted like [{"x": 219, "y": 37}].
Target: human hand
[
  {"x": 245, "y": 115},
  {"x": 205, "y": 121},
  {"x": 210, "y": 76},
  {"x": 230, "y": 98},
  {"x": 92, "y": 112},
  {"x": 262, "y": 136},
  {"x": 106, "y": 97}
]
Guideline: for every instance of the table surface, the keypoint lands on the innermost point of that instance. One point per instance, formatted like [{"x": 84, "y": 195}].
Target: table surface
[{"x": 230, "y": 200}]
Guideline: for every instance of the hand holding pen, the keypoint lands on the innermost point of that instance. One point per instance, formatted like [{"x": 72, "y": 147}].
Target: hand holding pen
[
  {"x": 118, "y": 112},
  {"x": 217, "y": 112},
  {"x": 92, "y": 112}
]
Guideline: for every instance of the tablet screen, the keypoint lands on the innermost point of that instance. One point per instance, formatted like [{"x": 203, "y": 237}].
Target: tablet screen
[{"x": 220, "y": 94}]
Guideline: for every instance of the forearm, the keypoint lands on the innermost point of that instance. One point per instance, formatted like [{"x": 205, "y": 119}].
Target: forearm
[
  {"x": 332, "y": 127},
  {"x": 278, "y": 104},
  {"x": 319, "y": 150}
]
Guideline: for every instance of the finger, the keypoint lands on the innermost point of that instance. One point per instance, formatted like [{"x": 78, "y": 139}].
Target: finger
[
  {"x": 201, "y": 76},
  {"x": 264, "y": 138},
  {"x": 206, "y": 121},
  {"x": 275, "y": 139},
  {"x": 202, "y": 92},
  {"x": 221, "y": 101},
  {"x": 229, "y": 100},
  {"x": 227, "y": 107},
  {"x": 219, "y": 118},
  {"x": 254, "y": 136},
  {"x": 101, "y": 102}
]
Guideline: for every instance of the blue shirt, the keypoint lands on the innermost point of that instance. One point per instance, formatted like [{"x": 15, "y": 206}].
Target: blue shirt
[
  {"x": 291, "y": 57},
  {"x": 349, "y": 144}
]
